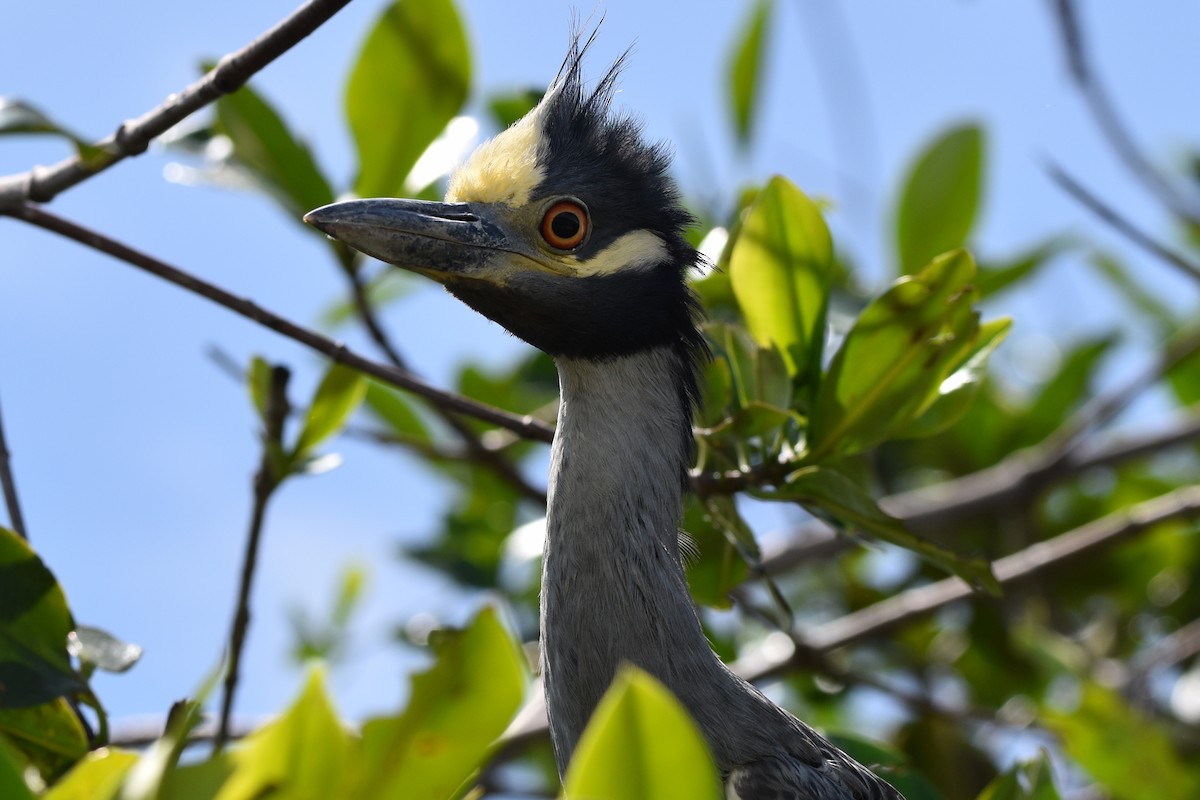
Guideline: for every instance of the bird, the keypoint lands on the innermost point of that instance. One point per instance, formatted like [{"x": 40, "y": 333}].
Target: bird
[{"x": 567, "y": 230}]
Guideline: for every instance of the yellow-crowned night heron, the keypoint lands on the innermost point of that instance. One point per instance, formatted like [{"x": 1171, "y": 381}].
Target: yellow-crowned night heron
[{"x": 567, "y": 230}]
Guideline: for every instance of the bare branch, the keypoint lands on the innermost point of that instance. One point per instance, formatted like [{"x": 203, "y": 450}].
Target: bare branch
[
  {"x": 1109, "y": 121},
  {"x": 266, "y": 481},
  {"x": 42, "y": 184},
  {"x": 1120, "y": 223},
  {"x": 8, "y": 482},
  {"x": 528, "y": 427}
]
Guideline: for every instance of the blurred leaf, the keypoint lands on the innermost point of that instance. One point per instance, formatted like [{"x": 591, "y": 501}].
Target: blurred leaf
[
  {"x": 101, "y": 649},
  {"x": 97, "y": 776},
  {"x": 891, "y": 367},
  {"x": 641, "y": 744},
  {"x": 386, "y": 287},
  {"x": 745, "y": 69},
  {"x": 12, "y": 777},
  {"x": 779, "y": 268},
  {"x": 393, "y": 408},
  {"x": 1031, "y": 780},
  {"x": 1068, "y": 388},
  {"x": 258, "y": 381},
  {"x": 957, "y": 392},
  {"x": 456, "y": 710},
  {"x": 476, "y": 525},
  {"x": 1134, "y": 292},
  {"x": 758, "y": 373},
  {"x": 1129, "y": 755},
  {"x": 19, "y": 117},
  {"x": 940, "y": 197},
  {"x": 202, "y": 780},
  {"x": 410, "y": 79},
  {"x": 1184, "y": 379},
  {"x": 340, "y": 393},
  {"x": 830, "y": 494},
  {"x": 34, "y": 622},
  {"x": 264, "y": 145},
  {"x": 994, "y": 277},
  {"x": 303, "y": 755},
  {"x": 889, "y": 763},
  {"x": 49, "y": 735},
  {"x": 326, "y": 639},
  {"x": 717, "y": 567},
  {"x": 508, "y": 107}
]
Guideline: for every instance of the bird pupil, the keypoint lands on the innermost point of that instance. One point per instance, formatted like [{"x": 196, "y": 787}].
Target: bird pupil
[{"x": 565, "y": 225}]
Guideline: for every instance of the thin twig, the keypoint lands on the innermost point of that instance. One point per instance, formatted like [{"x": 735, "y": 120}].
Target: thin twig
[
  {"x": 527, "y": 427},
  {"x": 15, "y": 518},
  {"x": 1120, "y": 223},
  {"x": 1109, "y": 121},
  {"x": 266, "y": 480},
  {"x": 42, "y": 184}
]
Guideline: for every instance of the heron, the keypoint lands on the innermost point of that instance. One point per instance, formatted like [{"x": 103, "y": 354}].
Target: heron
[{"x": 567, "y": 230}]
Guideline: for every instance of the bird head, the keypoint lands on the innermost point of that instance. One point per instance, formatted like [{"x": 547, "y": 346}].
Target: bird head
[{"x": 565, "y": 229}]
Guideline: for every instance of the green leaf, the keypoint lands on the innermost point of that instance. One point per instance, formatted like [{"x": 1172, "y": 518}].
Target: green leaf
[
  {"x": 264, "y": 145},
  {"x": 410, "y": 79},
  {"x": 304, "y": 755},
  {"x": 258, "y": 381},
  {"x": 892, "y": 364},
  {"x": 34, "y": 622},
  {"x": 101, "y": 649},
  {"x": 393, "y": 408},
  {"x": 49, "y": 735},
  {"x": 456, "y": 710},
  {"x": 340, "y": 393},
  {"x": 994, "y": 277},
  {"x": 508, "y": 107},
  {"x": 1031, "y": 780},
  {"x": 717, "y": 567},
  {"x": 12, "y": 777},
  {"x": 1126, "y": 753},
  {"x": 940, "y": 197},
  {"x": 641, "y": 744},
  {"x": 956, "y": 393},
  {"x": 1067, "y": 389},
  {"x": 1134, "y": 292},
  {"x": 97, "y": 777},
  {"x": 779, "y": 269},
  {"x": 830, "y": 494},
  {"x": 386, "y": 287},
  {"x": 19, "y": 117},
  {"x": 745, "y": 69}
]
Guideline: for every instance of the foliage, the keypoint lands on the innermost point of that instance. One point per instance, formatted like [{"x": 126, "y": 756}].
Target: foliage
[{"x": 856, "y": 421}]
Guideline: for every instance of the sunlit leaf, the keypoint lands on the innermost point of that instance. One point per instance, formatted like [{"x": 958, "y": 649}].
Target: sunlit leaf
[
  {"x": 340, "y": 393},
  {"x": 410, "y": 79},
  {"x": 281, "y": 161},
  {"x": 779, "y": 268},
  {"x": 97, "y": 776},
  {"x": 456, "y": 710},
  {"x": 831, "y": 495},
  {"x": 1126, "y": 753},
  {"x": 892, "y": 364},
  {"x": 394, "y": 409},
  {"x": 34, "y": 622},
  {"x": 101, "y": 649},
  {"x": 258, "y": 381},
  {"x": 50, "y": 735},
  {"x": 641, "y": 744},
  {"x": 940, "y": 197},
  {"x": 745, "y": 68},
  {"x": 303, "y": 755}
]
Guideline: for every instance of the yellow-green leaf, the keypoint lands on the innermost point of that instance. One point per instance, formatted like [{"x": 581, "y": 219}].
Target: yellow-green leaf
[
  {"x": 97, "y": 777},
  {"x": 641, "y": 744},
  {"x": 304, "y": 755},
  {"x": 410, "y": 79},
  {"x": 745, "y": 69},
  {"x": 780, "y": 268},
  {"x": 340, "y": 393},
  {"x": 940, "y": 197},
  {"x": 456, "y": 710},
  {"x": 50, "y": 735}
]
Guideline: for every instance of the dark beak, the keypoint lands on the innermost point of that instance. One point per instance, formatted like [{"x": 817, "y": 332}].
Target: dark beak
[{"x": 450, "y": 238}]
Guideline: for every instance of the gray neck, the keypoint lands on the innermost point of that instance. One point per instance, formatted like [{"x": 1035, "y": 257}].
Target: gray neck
[{"x": 613, "y": 587}]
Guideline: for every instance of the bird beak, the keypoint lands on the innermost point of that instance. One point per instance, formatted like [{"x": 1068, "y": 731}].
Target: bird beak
[{"x": 441, "y": 240}]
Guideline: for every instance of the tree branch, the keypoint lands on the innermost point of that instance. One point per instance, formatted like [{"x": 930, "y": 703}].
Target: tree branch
[
  {"x": 42, "y": 184},
  {"x": 527, "y": 426},
  {"x": 8, "y": 482},
  {"x": 1109, "y": 121}
]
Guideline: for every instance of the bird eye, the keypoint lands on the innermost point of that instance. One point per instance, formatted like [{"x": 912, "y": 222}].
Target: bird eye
[{"x": 565, "y": 225}]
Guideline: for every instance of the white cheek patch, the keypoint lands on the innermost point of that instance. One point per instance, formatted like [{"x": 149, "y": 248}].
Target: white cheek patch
[{"x": 634, "y": 249}]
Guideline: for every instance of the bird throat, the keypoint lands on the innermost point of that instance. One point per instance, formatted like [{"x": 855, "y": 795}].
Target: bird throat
[{"x": 613, "y": 588}]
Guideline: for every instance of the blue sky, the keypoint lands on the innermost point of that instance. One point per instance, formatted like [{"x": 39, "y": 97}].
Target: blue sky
[{"x": 133, "y": 454}]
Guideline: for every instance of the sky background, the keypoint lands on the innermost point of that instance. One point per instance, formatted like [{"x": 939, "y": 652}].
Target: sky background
[{"x": 133, "y": 453}]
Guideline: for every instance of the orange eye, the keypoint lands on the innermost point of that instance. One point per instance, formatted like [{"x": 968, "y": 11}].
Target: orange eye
[{"x": 565, "y": 225}]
